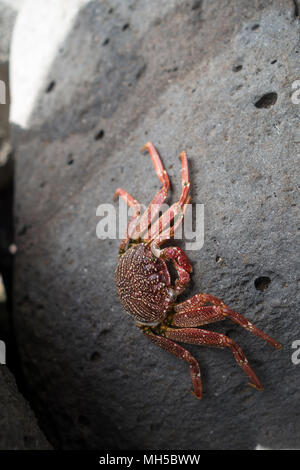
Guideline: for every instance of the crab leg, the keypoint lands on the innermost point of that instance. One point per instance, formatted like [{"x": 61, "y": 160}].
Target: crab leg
[
  {"x": 131, "y": 202},
  {"x": 181, "y": 264},
  {"x": 157, "y": 163},
  {"x": 183, "y": 354},
  {"x": 199, "y": 300},
  {"x": 153, "y": 208},
  {"x": 198, "y": 316},
  {"x": 211, "y": 338},
  {"x": 176, "y": 209},
  {"x": 168, "y": 233}
]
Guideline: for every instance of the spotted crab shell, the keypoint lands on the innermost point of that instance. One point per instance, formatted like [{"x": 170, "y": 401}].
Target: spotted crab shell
[{"x": 143, "y": 284}]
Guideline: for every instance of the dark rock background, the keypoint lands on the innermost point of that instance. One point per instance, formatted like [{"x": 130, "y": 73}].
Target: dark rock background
[
  {"x": 19, "y": 429},
  {"x": 185, "y": 75}
]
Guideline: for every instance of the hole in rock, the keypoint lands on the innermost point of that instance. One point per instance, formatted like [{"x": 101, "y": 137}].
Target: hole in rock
[
  {"x": 266, "y": 101},
  {"x": 262, "y": 283},
  {"x": 99, "y": 135}
]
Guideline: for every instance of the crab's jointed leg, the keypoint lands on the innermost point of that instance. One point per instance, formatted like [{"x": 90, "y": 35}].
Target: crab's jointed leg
[
  {"x": 168, "y": 232},
  {"x": 162, "y": 225},
  {"x": 131, "y": 202},
  {"x": 192, "y": 313},
  {"x": 181, "y": 264},
  {"x": 154, "y": 206},
  {"x": 211, "y": 338},
  {"x": 183, "y": 354},
  {"x": 202, "y": 315}
]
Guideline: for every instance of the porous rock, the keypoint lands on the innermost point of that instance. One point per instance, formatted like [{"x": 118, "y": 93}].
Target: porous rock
[
  {"x": 18, "y": 425},
  {"x": 213, "y": 79}
]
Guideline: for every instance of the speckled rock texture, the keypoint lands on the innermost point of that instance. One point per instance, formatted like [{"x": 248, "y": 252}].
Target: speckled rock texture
[
  {"x": 215, "y": 79},
  {"x": 18, "y": 426},
  {"x": 7, "y": 18}
]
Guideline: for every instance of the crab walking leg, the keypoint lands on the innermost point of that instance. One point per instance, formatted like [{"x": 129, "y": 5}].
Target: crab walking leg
[
  {"x": 185, "y": 179},
  {"x": 211, "y": 338},
  {"x": 183, "y": 354},
  {"x": 168, "y": 233},
  {"x": 157, "y": 163},
  {"x": 159, "y": 198},
  {"x": 150, "y": 213},
  {"x": 176, "y": 254},
  {"x": 198, "y": 316},
  {"x": 131, "y": 202},
  {"x": 176, "y": 209},
  {"x": 163, "y": 223},
  {"x": 181, "y": 264},
  {"x": 202, "y": 299},
  {"x": 197, "y": 301}
]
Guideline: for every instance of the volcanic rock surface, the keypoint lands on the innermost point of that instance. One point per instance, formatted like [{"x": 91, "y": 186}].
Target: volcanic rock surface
[{"x": 214, "y": 79}]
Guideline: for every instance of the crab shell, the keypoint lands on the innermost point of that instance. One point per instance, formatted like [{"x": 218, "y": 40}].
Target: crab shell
[{"x": 143, "y": 283}]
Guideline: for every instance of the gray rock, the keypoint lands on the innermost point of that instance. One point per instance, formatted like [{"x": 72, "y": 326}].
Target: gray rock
[
  {"x": 8, "y": 13},
  {"x": 18, "y": 426},
  {"x": 6, "y": 164},
  {"x": 6, "y": 161},
  {"x": 184, "y": 75}
]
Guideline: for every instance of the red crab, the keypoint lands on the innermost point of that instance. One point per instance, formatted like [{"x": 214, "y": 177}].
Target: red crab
[{"x": 144, "y": 283}]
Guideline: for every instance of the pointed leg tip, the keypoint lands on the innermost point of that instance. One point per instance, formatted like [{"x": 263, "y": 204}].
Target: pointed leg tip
[
  {"x": 278, "y": 346},
  {"x": 260, "y": 388},
  {"x": 275, "y": 344},
  {"x": 145, "y": 147},
  {"x": 198, "y": 397}
]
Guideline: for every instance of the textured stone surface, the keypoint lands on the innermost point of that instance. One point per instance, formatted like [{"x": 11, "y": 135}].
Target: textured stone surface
[
  {"x": 185, "y": 75},
  {"x": 7, "y": 19},
  {"x": 8, "y": 13},
  {"x": 18, "y": 426}
]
